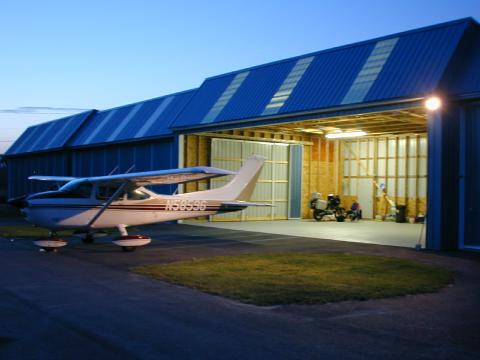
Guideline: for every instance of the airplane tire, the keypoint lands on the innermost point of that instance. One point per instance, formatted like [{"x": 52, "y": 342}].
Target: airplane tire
[
  {"x": 48, "y": 249},
  {"x": 129, "y": 248}
]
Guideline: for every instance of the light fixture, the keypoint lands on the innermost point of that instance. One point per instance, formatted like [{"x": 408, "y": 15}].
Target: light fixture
[
  {"x": 433, "y": 103},
  {"x": 347, "y": 134}
]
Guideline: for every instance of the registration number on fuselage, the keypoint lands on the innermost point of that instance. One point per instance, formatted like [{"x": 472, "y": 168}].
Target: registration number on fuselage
[{"x": 186, "y": 205}]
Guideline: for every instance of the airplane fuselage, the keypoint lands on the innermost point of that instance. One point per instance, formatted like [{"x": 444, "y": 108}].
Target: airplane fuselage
[{"x": 53, "y": 212}]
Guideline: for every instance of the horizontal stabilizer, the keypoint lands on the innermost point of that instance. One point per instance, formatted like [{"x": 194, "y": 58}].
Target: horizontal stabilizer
[{"x": 244, "y": 203}]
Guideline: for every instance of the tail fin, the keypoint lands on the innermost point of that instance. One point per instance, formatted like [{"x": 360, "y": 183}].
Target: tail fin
[{"x": 241, "y": 186}]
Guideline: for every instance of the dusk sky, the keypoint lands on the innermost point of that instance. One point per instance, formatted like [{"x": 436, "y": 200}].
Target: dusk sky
[{"x": 59, "y": 57}]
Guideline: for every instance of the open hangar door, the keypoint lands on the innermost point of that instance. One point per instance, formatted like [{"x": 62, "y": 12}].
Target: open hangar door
[
  {"x": 385, "y": 166},
  {"x": 377, "y": 159}
]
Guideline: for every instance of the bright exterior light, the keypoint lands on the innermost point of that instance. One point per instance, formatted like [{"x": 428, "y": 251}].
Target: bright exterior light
[
  {"x": 348, "y": 134},
  {"x": 433, "y": 103}
]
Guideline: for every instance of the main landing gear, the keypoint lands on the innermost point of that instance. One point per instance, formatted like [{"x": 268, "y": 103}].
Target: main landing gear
[
  {"x": 129, "y": 243},
  {"x": 52, "y": 243},
  {"x": 89, "y": 237}
]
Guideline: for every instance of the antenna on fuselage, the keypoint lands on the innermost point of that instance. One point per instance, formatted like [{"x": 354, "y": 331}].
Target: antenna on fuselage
[
  {"x": 114, "y": 170},
  {"x": 130, "y": 169}
]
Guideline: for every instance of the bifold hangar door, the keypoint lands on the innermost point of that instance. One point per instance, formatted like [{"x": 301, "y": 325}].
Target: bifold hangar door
[{"x": 272, "y": 186}]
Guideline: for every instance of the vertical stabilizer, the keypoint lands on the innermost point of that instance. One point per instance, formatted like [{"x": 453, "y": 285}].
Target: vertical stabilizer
[{"x": 240, "y": 187}]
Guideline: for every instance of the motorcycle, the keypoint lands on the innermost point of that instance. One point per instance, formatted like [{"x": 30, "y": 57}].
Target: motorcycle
[{"x": 331, "y": 206}]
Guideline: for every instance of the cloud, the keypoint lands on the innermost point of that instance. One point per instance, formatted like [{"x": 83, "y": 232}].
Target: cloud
[{"x": 41, "y": 110}]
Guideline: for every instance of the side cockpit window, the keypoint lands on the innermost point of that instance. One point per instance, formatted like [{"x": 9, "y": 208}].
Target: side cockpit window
[
  {"x": 137, "y": 195},
  {"x": 105, "y": 192}
]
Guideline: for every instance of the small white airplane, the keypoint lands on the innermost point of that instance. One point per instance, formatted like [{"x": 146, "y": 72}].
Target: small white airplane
[{"x": 91, "y": 204}]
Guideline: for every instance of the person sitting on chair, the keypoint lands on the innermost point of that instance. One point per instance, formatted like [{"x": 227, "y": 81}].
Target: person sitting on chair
[{"x": 355, "y": 212}]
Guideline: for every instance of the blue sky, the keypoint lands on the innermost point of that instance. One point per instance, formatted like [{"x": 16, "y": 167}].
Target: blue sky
[{"x": 100, "y": 54}]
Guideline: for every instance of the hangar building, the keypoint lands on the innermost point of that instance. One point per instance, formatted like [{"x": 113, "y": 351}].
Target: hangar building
[{"x": 302, "y": 114}]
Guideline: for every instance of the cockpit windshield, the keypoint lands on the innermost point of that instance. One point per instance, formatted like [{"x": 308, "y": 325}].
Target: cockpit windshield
[{"x": 79, "y": 188}]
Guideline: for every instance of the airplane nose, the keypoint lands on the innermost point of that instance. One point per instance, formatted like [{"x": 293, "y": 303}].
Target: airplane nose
[{"x": 18, "y": 202}]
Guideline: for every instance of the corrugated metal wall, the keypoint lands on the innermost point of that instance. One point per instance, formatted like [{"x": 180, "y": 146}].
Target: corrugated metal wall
[
  {"x": 162, "y": 154},
  {"x": 399, "y": 164},
  {"x": 471, "y": 190},
  {"x": 272, "y": 186},
  {"x": 20, "y": 168}
]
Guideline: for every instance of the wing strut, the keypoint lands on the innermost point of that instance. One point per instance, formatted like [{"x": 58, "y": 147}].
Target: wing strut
[{"x": 115, "y": 195}]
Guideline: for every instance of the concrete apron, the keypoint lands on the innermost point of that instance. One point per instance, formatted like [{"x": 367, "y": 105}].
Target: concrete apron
[{"x": 364, "y": 231}]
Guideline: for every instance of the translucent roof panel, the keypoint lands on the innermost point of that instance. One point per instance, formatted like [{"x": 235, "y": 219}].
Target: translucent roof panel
[
  {"x": 50, "y": 135},
  {"x": 150, "y": 118}
]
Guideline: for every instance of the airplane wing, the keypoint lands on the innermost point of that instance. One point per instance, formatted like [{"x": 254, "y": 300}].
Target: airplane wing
[
  {"x": 52, "y": 178},
  {"x": 158, "y": 177}
]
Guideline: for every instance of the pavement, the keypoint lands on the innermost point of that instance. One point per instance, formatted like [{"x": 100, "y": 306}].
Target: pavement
[
  {"x": 364, "y": 231},
  {"x": 83, "y": 303}
]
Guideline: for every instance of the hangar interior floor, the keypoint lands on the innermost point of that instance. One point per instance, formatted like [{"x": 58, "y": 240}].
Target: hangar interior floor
[{"x": 364, "y": 231}]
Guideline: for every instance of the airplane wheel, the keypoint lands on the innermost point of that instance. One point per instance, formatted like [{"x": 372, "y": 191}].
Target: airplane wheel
[
  {"x": 130, "y": 242},
  {"x": 88, "y": 239},
  {"x": 129, "y": 248},
  {"x": 50, "y": 244}
]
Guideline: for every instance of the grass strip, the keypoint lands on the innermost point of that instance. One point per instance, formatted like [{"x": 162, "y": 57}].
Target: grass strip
[{"x": 302, "y": 278}]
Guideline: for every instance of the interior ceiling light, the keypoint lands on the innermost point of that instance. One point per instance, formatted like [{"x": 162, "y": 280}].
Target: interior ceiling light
[
  {"x": 346, "y": 134},
  {"x": 433, "y": 103},
  {"x": 313, "y": 130}
]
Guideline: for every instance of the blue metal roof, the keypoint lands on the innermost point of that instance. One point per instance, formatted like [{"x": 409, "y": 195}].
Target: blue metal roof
[
  {"x": 395, "y": 68},
  {"x": 462, "y": 79},
  {"x": 150, "y": 118},
  {"x": 51, "y": 135},
  {"x": 400, "y": 66}
]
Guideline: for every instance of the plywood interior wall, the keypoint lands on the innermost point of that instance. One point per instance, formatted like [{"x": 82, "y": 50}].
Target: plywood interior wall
[
  {"x": 320, "y": 170},
  {"x": 397, "y": 163}
]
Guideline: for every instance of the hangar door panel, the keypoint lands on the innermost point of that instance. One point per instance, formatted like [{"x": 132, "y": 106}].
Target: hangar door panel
[{"x": 272, "y": 185}]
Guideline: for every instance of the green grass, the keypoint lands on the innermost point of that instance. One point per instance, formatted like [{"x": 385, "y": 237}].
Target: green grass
[
  {"x": 302, "y": 278},
  {"x": 30, "y": 231},
  {"x": 27, "y": 231}
]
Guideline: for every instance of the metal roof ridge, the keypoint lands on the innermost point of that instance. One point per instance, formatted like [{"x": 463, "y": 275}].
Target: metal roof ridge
[
  {"x": 142, "y": 101},
  {"x": 466, "y": 20},
  {"x": 88, "y": 115},
  {"x": 58, "y": 119}
]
